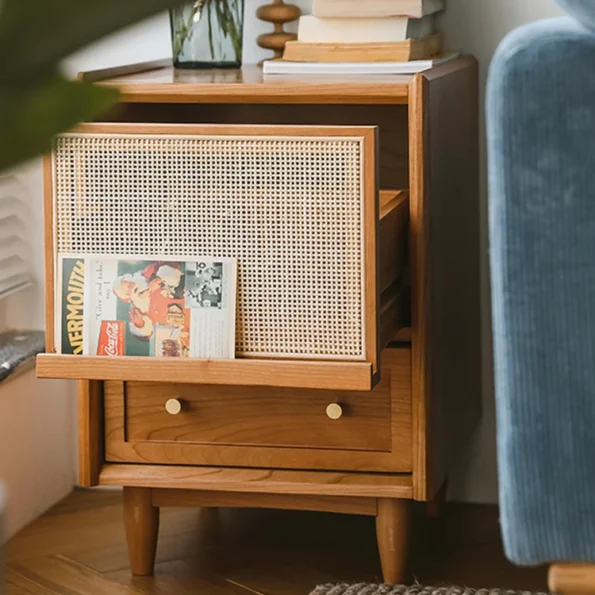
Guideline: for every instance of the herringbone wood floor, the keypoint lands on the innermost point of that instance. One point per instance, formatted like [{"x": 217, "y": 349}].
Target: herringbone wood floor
[{"x": 78, "y": 548}]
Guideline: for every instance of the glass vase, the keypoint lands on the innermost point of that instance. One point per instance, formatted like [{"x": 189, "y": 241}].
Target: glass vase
[{"x": 208, "y": 34}]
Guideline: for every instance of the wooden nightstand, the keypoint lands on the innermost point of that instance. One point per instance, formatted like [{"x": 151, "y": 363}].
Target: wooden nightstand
[{"x": 358, "y": 437}]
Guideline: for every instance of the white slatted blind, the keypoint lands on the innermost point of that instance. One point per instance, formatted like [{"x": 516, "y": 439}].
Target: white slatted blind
[{"x": 15, "y": 250}]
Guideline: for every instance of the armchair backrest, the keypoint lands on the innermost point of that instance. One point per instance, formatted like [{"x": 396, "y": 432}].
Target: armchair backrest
[{"x": 582, "y": 10}]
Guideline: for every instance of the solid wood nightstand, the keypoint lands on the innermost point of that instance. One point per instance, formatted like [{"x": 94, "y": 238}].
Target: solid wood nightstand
[{"x": 357, "y": 437}]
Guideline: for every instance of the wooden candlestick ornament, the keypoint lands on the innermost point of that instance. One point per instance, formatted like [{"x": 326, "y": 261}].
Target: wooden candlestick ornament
[{"x": 277, "y": 13}]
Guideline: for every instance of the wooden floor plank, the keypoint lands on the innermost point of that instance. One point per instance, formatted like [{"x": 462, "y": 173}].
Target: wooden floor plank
[
  {"x": 182, "y": 534},
  {"x": 81, "y": 499},
  {"x": 12, "y": 589},
  {"x": 16, "y": 584},
  {"x": 181, "y": 577},
  {"x": 63, "y": 576},
  {"x": 78, "y": 548}
]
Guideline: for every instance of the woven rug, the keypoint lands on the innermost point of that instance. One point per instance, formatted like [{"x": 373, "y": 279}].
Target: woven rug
[{"x": 365, "y": 589}]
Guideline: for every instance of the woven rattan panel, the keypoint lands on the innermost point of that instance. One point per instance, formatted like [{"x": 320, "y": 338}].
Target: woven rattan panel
[{"x": 289, "y": 208}]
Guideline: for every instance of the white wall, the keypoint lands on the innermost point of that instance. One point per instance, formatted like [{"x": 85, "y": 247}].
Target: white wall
[
  {"x": 477, "y": 26},
  {"x": 37, "y": 430},
  {"x": 36, "y": 447},
  {"x": 151, "y": 40}
]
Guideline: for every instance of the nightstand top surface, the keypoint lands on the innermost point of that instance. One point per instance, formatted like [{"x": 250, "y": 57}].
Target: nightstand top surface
[{"x": 160, "y": 83}]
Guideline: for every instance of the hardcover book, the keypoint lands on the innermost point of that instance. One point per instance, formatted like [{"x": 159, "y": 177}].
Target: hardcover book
[
  {"x": 375, "y": 8},
  {"x": 285, "y": 67},
  {"x": 312, "y": 29},
  {"x": 399, "y": 51}
]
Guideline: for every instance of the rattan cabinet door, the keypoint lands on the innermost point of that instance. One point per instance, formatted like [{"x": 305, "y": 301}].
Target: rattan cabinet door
[{"x": 296, "y": 205}]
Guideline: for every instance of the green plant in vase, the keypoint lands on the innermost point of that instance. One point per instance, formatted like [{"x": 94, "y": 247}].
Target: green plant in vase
[{"x": 208, "y": 34}]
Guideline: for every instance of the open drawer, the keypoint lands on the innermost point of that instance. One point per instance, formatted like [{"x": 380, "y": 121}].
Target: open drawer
[{"x": 320, "y": 251}]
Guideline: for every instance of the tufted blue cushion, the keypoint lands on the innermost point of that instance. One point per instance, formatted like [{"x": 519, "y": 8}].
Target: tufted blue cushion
[{"x": 541, "y": 141}]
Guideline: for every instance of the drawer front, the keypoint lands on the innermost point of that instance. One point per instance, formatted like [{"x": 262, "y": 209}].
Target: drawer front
[
  {"x": 187, "y": 424},
  {"x": 264, "y": 416},
  {"x": 296, "y": 205},
  {"x": 320, "y": 250}
]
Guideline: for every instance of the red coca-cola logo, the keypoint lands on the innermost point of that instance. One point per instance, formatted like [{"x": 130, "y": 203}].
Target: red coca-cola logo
[{"x": 111, "y": 338}]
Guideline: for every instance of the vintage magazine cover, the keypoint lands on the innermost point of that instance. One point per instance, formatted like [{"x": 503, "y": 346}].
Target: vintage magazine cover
[{"x": 146, "y": 306}]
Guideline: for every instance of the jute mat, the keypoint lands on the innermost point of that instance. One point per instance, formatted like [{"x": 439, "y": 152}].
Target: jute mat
[{"x": 365, "y": 589}]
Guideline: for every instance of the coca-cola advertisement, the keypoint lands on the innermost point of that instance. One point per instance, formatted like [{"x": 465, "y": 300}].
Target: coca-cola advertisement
[
  {"x": 147, "y": 307},
  {"x": 111, "y": 338}
]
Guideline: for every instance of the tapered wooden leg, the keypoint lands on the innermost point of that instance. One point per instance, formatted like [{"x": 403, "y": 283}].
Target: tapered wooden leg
[
  {"x": 141, "y": 520},
  {"x": 392, "y": 532},
  {"x": 572, "y": 579}
]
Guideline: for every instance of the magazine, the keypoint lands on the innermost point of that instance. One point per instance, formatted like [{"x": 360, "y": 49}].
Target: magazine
[{"x": 146, "y": 306}]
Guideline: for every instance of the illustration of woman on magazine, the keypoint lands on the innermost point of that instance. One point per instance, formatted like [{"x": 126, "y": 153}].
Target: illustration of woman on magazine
[{"x": 157, "y": 313}]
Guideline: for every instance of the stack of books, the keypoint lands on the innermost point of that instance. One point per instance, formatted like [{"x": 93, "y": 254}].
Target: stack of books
[{"x": 364, "y": 36}]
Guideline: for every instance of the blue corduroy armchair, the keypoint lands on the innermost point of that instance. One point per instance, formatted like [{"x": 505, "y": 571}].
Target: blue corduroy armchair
[{"x": 541, "y": 146}]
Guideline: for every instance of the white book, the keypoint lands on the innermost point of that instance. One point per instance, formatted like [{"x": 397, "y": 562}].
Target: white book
[
  {"x": 276, "y": 67},
  {"x": 369, "y": 30},
  {"x": 375, "y": 8}
]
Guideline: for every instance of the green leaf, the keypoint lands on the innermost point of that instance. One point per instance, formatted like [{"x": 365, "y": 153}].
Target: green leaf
[
  {"x": 30, "y": 118},
  {"x": 37, "y": 34}
]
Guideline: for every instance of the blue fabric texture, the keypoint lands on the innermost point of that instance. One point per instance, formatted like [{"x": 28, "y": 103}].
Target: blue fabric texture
[
  {"x": 541, "y": 146},
  {"x": 582, "y": 10}
]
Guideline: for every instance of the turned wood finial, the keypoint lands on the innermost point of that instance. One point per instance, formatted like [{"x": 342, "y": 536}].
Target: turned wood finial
[{"x": 277, "y": 13}]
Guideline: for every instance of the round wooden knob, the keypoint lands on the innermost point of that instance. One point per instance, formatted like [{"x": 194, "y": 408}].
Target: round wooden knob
[
  {"x": 334, "y": 411},
  {"x": 278, "y": 13},
  {"x": 173, "y": 406},
  {"x": 275, "y": 41}
]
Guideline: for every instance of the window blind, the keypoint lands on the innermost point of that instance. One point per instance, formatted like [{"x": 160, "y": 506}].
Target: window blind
[{"x": 15, "y": 251}]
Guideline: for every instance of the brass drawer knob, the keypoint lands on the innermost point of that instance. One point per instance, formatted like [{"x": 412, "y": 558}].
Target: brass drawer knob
[
  {"x": 173, "y": 406},
  {"x": 334, "y": 411}
]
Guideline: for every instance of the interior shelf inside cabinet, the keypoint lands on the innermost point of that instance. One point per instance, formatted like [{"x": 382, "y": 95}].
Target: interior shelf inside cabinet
[{"x": 389, "y": 200}]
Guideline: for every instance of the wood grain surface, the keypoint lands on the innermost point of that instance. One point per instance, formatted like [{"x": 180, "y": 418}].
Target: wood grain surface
[
  {"x": 250, "y": 372},
  {"x": 49, "y": 253},
  {"x": 445, "y": 282},
  {"x": 141, "y": 522},
  {"x": 263, "y": 416},
  {"x": 393, "y": 235},
  {"x": 229, "y": 418},
  {"x": 258, "y": 481},
  {"x": 393, "y": 529},
  {"x": 91, "y": 450},
  {"x": 196, "y": 498},
  {"x": 365, "y": 133},
  {"x": 249, "y": 85},
  {"x": 572, "y": 579}
]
